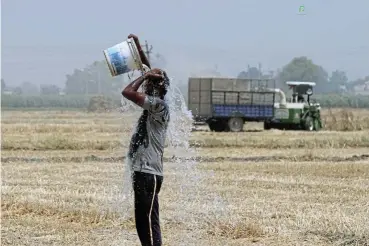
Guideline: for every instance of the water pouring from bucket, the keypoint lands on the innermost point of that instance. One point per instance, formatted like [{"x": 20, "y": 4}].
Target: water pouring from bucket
[{"x": 164, "y": 122}]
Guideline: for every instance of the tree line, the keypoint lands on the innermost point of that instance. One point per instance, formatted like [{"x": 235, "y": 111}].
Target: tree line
[
  {"x": 304, "y": 69},
  {"x": 95, "y": 79},
  {"x": 82, "y": 102}
]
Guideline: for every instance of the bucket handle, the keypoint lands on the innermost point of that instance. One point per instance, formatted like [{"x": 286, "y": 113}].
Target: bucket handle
[{"x": 133, "y": 48}]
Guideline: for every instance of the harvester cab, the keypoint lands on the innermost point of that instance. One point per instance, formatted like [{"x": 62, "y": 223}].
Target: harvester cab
[
  {"x": 297, "y": 112},
  {"x": 300, "y": 89},
  {"x": 310, "y": 114}
]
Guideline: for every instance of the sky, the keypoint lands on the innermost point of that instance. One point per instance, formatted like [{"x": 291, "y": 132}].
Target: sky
[{"x": 44, "y": 40}]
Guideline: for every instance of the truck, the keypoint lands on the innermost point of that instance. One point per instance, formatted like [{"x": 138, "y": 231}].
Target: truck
[{"x": 225, "y": 104}]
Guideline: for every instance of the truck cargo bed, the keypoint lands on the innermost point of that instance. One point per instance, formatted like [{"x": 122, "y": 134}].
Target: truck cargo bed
[{"x": 224, "y": 97}]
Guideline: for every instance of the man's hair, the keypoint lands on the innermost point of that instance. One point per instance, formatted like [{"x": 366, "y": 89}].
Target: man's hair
[{"x": 162, "y": 84}]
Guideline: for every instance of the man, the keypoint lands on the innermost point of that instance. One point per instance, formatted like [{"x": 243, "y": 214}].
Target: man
[{"x": 147, "y": 148}]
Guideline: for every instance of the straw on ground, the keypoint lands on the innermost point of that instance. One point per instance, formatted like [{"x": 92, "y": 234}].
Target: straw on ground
[{"x": 61, "y": 174}]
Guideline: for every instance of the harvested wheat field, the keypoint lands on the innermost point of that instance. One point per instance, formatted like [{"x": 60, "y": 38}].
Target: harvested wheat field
[{"x": 62, "y": 173}]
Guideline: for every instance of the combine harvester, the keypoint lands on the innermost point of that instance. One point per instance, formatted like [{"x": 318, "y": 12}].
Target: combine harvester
[{"x": 226, "y": 104}]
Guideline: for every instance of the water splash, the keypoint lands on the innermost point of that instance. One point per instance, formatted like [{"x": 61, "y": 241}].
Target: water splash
[
  {"x": 198, "y": 208},
  {"x": 187, "y": 176},
  {"x": 178, "y": 136},
  {"x": 179, "y": 129}
]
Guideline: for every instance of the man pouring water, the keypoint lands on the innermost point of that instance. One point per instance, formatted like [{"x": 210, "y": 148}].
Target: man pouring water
[{"x": 147, "y": 148}]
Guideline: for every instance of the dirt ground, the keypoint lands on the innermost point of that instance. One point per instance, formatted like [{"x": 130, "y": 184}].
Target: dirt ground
[{"x": 62, "y": 174}]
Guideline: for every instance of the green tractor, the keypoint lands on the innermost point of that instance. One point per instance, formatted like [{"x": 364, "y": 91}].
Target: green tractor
[{"x": 298, "y": 112}]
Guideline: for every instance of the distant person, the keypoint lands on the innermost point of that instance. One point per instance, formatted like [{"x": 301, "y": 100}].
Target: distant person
[
  {"x": 147, "y": 148},
  {"x": 300, "y": 99}
]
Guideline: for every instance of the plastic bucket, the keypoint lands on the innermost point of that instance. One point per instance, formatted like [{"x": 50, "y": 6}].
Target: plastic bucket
[{"x": 123, "y": 58}]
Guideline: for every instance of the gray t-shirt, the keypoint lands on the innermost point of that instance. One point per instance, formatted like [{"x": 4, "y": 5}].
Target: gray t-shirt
[{"x": 147, "y": 143}]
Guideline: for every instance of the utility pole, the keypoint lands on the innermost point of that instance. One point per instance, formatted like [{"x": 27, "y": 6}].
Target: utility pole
[{"x": 148, "y": 50}]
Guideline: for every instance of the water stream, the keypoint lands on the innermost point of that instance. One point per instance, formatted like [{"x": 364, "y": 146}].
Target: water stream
[
  {"x": 178, "y": 136},
  {"x": 195, "y": 206}
]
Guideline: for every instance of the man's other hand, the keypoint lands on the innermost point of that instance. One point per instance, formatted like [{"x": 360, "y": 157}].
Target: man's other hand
[{"x": 153, "y": 75}]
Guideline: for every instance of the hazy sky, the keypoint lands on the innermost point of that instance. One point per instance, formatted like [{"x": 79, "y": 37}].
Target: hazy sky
[{"x": 43, "y": 40}]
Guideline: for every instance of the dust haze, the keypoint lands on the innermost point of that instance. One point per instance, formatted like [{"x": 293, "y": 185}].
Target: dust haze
[{"x": 42, "y": 42}]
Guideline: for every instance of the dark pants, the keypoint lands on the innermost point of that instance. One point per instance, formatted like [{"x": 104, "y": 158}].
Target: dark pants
[{"x": 146, "y": 189}]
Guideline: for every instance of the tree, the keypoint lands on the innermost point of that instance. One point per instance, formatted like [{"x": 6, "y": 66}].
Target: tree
[
  {"x": 303, "y": 69},
  {"x": 29, "y": 88},
  {"x": 93, "y": 79},
  {"x": 337, "y": 79},
  {"x": 18, "y": 90},
  {"x": 75, "y": 83},
  {"x": 50, "y": 90},
  {"x": 251, "y": 73},
  {"x": 242, "y": 75},
  {"x": 358, "y": 83}
]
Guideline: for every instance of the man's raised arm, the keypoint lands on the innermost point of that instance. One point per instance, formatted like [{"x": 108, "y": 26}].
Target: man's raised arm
[{"x": 131, "y": 93}]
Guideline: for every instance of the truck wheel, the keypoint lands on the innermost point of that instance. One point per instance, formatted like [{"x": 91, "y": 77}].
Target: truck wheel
[
  {"x": 217, "y": 126},
  {"x": 235, "y": 124},
  {"x": 309, "y": 124},
  {"x": 267, "y": 125},
  {"x": 316, "y": 125}
]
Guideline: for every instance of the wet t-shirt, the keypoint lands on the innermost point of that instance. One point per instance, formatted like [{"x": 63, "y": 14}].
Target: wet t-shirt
[{"x": 147, "y": 143}]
